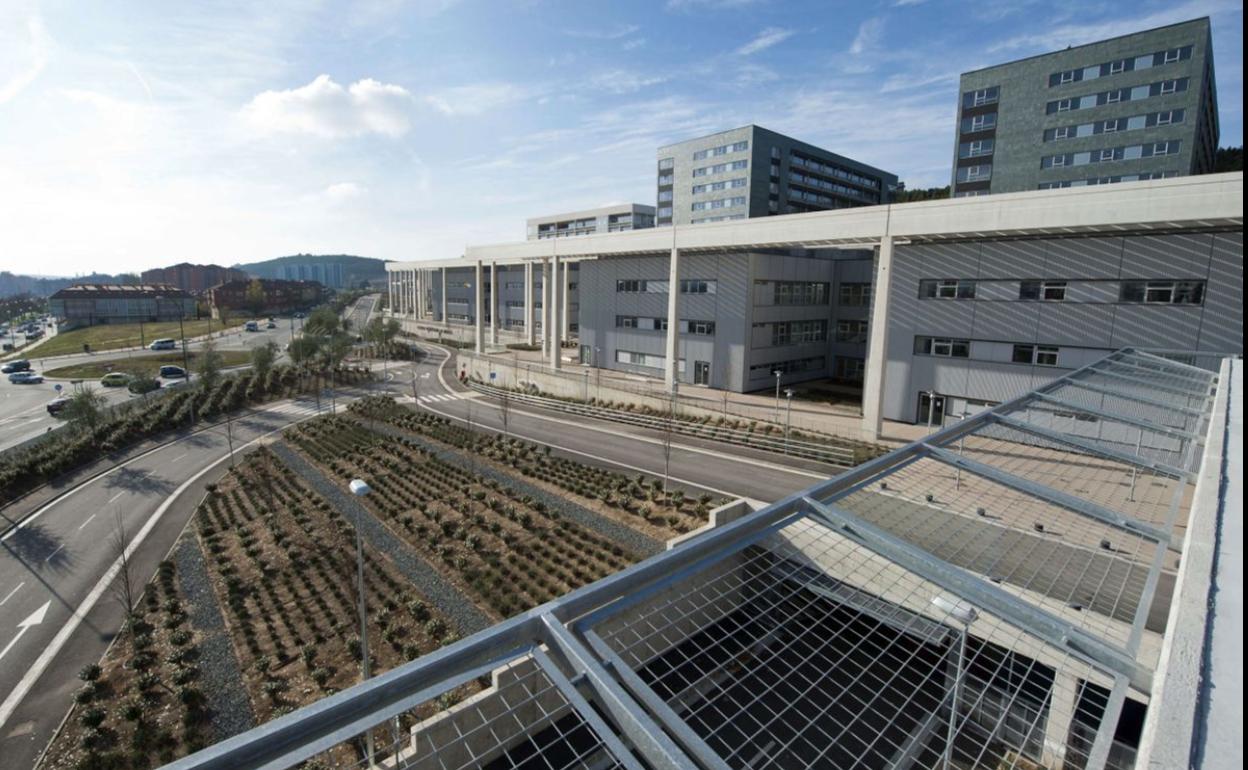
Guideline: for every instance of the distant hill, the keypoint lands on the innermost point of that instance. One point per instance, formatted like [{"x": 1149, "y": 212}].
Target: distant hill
[
  {"x": 44, "y": 286},
  {"x": 355, "y": 269}
]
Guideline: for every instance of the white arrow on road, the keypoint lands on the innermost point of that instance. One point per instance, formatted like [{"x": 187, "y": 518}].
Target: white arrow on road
[{"x": 35, "y": 619}]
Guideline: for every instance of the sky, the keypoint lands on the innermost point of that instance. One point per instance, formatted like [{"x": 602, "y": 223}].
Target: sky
[{"x": 137, "y": 133}]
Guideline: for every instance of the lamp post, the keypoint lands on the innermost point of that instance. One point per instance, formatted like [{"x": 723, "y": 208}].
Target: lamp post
[
  {"x": 964, "y": 615},
  {"x": 778, "y": 374},
  {"x": 360, "y": 488},
  {"x": 788, "y": 416}
]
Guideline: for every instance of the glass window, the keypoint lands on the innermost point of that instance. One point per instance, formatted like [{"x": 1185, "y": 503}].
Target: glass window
[
  {"x": 667, "y": 163},
  {"x": 1065, "y": 105},
  {"x": 1023, "y": 354},
  {"x": 1169, "y": 86},
  {"x": 949, "y": 289},
  {"x": 1163, "y": 292},
  {"x": 1115, "y": 67},
  {"x": 1046, "y": 355}
]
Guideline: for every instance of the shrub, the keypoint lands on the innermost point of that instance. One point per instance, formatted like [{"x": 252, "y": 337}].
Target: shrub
[
  {"x": 92, "y": 717},
  {"x": 90, "y": 672}
]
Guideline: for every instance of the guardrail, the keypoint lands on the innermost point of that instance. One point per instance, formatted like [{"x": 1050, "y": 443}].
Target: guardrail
[{"x": 825, "y": 453}]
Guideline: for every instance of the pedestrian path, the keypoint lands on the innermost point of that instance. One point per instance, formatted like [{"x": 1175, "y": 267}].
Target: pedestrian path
[
  {"x": 436, "y": 397},
  {"x": 304, "y": 408}
]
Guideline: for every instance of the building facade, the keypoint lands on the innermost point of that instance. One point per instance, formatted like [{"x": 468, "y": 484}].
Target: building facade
[
  {"x": 93, "y": 304},
  {"x": 608, "y": 219},
  {"x": 274, "y": 296},
  {"x": 1136, "y": 107},
  {"x": 329, "y": 274},
  {"x": 193, "y": 278},
  {"x": 753, "y": 172}
]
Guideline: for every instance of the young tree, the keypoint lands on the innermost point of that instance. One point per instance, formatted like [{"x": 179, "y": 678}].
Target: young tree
[
  {"x": 262, "y": 358},
  {"x": 209, "y": 365},
  {"x": 85, "y": 409},
  {"x": 504, "y": 409},
  {"x": 668, "y": 428},
  {"x": 304, "y": 349},
  {"x": 322, "y": 322},
  {"x": 254, "y": 296},
  {"x": 124, "y": 588}
]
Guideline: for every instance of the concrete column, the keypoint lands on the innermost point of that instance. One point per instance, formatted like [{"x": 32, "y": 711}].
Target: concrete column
[
  {"x": 546, "y": 284},
  {"x": 530, "y": 331},
  {"x": 390, "y": 292},
  {"x": 565, "y": 329},
  {"x": 673, "y": 318},
  {"x": 420, "y": 293},
  {"x": 556, "y": 352},
  {"x": 1062, "y": 702},
  {"x": 494, "y": 303},
  {"x": 444, "y": 320},
  {"x": 416, "y": 293},
  {"x": 877, "y": 346},
  {"x": 478, "y": 307}
]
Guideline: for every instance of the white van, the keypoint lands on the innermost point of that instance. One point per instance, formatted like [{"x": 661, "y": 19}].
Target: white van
[{"x": 165, "y": 344}]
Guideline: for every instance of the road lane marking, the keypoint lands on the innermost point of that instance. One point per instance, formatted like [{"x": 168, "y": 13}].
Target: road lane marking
[
  {"x": 87, "y": 521},
  {"x": 179, "y": 457},
  {"x": 113, "y": 499},
  {"x": 41, "y": 664},
  {"x": 34, "y": 619},
  {"x": 10, "y": 594},
  {"x": 54, "y": 553}
]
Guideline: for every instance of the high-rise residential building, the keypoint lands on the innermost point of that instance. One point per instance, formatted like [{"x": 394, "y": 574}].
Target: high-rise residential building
[
  {"x": 753, "y": 172},
  {"x": 325, "y": 273},
  {"x": 607, "y": 219},
  {"x": 1139, "y": 106}
]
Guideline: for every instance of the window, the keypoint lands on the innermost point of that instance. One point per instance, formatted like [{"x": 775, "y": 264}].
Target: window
[
  {"x": 851, "y": 331},
  {"x": 666, "y": 163},
  {"x": 983, "y": 122},
  {"x": 1163, "y": 292},
  {"x": 705, "y": 328},
  {"x": 855, "y": 294},
  {"x": 943, "y": 347},
  {"x": 1046, "y": 355},
  {"x": 979, "y": 147},
  {"x": 947, "y": 289},
  {"x": 696, "y": 287},
  {"x": 1106, "y": 155},
  {"x": 849, "y": 369},
  {"x": 1066, "y": 77},
  {"x": 1110, "y": 126},
  {"x": 1171, "y": 56},
  {"x": 984, "y": 96},
  {"x": 1117, "y": 67},
  {"x": 665, "y": 212},
  {"x": 1057, "y": 161},
  {"x": 1049, "y": 291},
  {"x": 1065, "y": 105},
  {"x": 1169, "y": 87},
  {"x": 1040, "y": 355},
  {"x": 799, "y": 293},
  {"x": 666, "y": 179},
  {"x": 1113, "y": 97},
  {"x": 1165, "y": 118},
  {"x": 1062, "y": 132},
  {"x": 1024, "y": 354},
  {"x": 626, "y": 322},
  {"x": 665, "y": 195},
  {"x": 975, "y": 173}
]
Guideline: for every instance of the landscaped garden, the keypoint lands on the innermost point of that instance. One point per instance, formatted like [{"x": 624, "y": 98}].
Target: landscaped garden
[
  {"x": 143, "y": 366},
  {"x": 114, "y": 336}
]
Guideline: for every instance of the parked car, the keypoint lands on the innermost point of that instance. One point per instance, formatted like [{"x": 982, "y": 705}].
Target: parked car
[
  {"x": 141, "y": 385},
  {"x": 171, "y": 372},
  {"x": 20, "y": 365},
  {"x": 251, "y": 326},
  {"x": 115, "y": 380},
  {"x": 57, "y": 404},
  {"x": 164, "y": 344},
  {"x": 271, "y": 325},
  {"x": 25, "y": 378}
]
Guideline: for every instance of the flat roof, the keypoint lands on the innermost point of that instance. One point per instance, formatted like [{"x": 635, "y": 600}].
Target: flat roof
[{"x": 618, "y": 208}]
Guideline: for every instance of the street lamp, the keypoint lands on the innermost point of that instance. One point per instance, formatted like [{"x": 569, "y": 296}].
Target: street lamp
[
  {"x": 360, "y": 488},
  {"x": 964, "y": 615},
  {"x": 788, "y": 416}
]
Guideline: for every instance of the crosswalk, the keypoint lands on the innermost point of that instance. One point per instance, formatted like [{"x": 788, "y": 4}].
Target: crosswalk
[
  {"x": 305, "y": 408},
  {"x": 436, "y": 397}
]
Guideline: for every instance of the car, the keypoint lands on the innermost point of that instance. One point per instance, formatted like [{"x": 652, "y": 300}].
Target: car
[
  {"x": 271, "y": 325},
  {"x": 25, "y": 378},
  {"x": 141, "y": 385},
  {"x": 164, "y": 344},
  {"x": 115, "y": 380},
  {"x": 300, "y": 315},
  {"x": 20, "y": 365},
  {"x": 57, "y": 404},
  {"x": 171, "y": 372},
  {"x": 251, "y": 326}
]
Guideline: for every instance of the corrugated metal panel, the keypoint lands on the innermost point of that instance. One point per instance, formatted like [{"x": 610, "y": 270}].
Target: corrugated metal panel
[
  {"x": 1071, "y": 258},
  {"x": 1013, "y": 259},
  {"x": 1222, "y": 323},
  {"x": 951, "y": 260},
  {"x": 1006, "y": 321},
  {"x": 1166, "y": 256},
  {"x": 1164, "y": 326},
  {"x": 1065, "y": 323}
]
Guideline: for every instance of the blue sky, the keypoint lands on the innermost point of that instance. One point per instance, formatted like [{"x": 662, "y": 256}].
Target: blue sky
[{"x": 135, "y": 134}]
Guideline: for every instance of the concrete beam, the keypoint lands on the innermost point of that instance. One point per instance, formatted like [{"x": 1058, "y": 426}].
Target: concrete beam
[{"x": 877, "y": 347}]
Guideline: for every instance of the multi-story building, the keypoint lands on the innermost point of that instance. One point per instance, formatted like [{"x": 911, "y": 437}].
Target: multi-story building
[
  {"x": 193, "y": 278},
  {"x": 607, "y": 219},
  {"x": 1139, "y": 106},
  {"x": 325, "y": 273},
  {"x": 753, "y": 172},
  {"x": 264, "y": 296},
  {"x": 92, "y": 304}
]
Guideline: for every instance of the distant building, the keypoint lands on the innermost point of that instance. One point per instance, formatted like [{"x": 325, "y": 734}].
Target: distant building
[
  {"x": 752, "y": 172},
  {"x": 328, "y": 274},
  {"x": 92, "y": 304},
  {"x": 607, "y": 219},
  {"x": 193, "y": 278},
  {"x": 1135, "y": 107},
  {"x": 277, "y": 296}
]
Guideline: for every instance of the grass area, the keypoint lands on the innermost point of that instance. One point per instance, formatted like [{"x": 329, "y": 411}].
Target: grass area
[
  {"x": 114, "y": 336},
  {"x": 146, "y": 366}
]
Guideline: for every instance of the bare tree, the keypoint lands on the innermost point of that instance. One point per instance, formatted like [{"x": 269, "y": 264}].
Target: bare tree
[
  {"x": 504, "y": 409},
  {"x": 123, "y": 587},
  {"x": 669, "y": 426}
]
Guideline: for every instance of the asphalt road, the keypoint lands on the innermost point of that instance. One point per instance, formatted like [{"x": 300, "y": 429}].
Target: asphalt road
[
  {"x": 22, "y": 407},
  {"x": 58, "y": 607}
]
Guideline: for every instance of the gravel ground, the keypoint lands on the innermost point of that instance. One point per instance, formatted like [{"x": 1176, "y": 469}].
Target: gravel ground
[
  {"x": 222, "y": 676},
  {"x": 450, "y": 600},
  {"x": 625, "y": 536}
]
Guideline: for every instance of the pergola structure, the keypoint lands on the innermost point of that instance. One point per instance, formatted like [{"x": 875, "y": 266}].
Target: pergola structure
[{"x": 996, "y": 594}]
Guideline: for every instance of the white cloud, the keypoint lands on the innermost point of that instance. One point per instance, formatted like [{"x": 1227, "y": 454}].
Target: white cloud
[
  {"x": 764, "y": 40},
  {"x": 612, "y": 33},
  {"x": 1055, "y": 37},
  {"x": 621, "y": 81},
  {"x": 629, "y": 45},
  {"x": 24, "y": 52},
  {"x": 474, "y": 99},
  {"x": 343, "y": 191},
  {"x": 327, "y": 109},
  {"x": 868, "y": 37},
  {"x": 686, "y": 5}
]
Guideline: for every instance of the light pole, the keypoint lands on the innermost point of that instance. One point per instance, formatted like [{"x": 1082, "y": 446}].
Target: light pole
[
  {"x": 965, "y": 616},
  {"x": 360, "y": 488},
  {"x": 788, "y": 416},
  {"x": 778, "y": 374}
]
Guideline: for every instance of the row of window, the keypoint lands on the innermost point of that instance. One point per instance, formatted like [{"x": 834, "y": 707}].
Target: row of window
[
  {"x": 1113, "y": 125},
  {"x": 718, "y": 203},
  {"x": 850, "y": 330},
  {"x": 829, "y": 169},
  {"x": 797, "y": 292},
  {"x": 1112, "y": 154},
  {"x": 1162, "y": 292},
  {"x": 982, "y": 96},
  {"x": 798, "y": 332},
  {"x": 537, "y": 303},
  {"x": 980, "y": 172},
  {"x": 721, "y": 218},
  {"x": 644, "y": 286},
  {"x": 649, "y": 360},
  {"x": 976, "y": 148},
  {"x": 824, "y": 184},
  {"x": 975, "y": 123},
  {"x": 1022, "y": 353},
  {"x": 1117, "y": 95},
  {"x": 643, "y": 323},
  {"x": 1119, "y": 66},
  {"x": 720, "y": 168},
  {"x": 723, "y": 149},
  {"x": 1115, "y": 179},
  {"x": 792, "y": 366},
  {"x": 855, "y": 295},
  {"x": 698, "y": 189}
]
